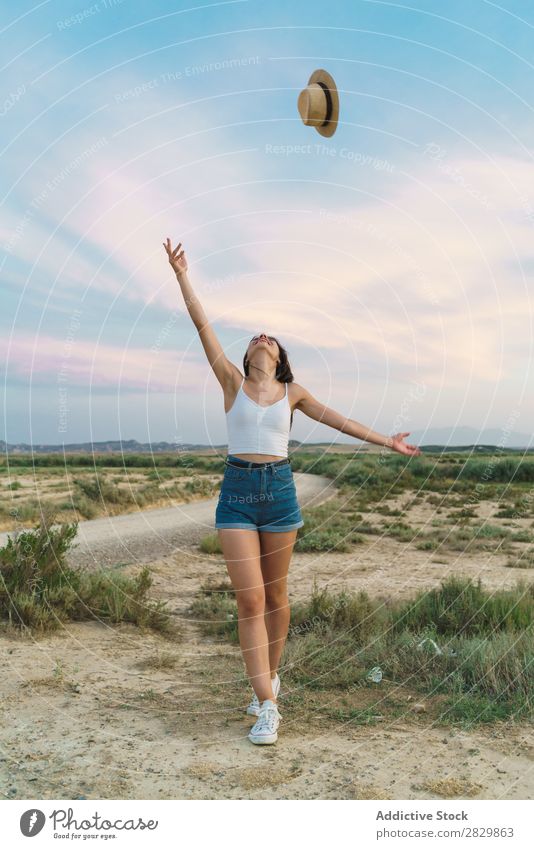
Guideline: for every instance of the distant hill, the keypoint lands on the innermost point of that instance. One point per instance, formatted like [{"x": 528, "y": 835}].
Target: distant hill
[
  {"x": 468, "y": 436},
  {"x": 111, "y": 446},
  {"x": 116, "y": 446},
  {"x": 128, "y": 446},
  {"x": 432, "y": 440}
]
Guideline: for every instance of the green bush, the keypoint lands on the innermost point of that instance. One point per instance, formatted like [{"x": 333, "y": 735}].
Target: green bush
[
  {"x": 461, "y": 607},
  {"x": 210, "y": 544},
  {"x": 329, "y": 527},
  {"x": 215, "y": 611},
  {"x": 39, "y": 590},
  {"x": 473, "y": 646},
  {"x": 523, "y": 560},
  {"x": 484, "y": 662},
  {"x": 84, "y": 506},
  {"x": 101, "y": 490},
  {"x": 352, "y": 613}
]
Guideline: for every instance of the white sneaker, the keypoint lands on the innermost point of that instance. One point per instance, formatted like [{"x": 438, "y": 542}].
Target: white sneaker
[
  {"x": 265, "y": 729},
  {"x": 254, "y": 706}
]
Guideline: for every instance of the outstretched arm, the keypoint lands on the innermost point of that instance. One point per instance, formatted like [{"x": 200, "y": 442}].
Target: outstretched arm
[
  {"x": 224, "y": 370},
  {"x": 313, "y": 408}
]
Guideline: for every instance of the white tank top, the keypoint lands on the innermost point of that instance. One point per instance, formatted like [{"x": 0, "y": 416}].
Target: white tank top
[{"x": 253, "y": 429}]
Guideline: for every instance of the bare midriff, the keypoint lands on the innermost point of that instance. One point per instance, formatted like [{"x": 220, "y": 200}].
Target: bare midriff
[{"x": 259, "y": 458}]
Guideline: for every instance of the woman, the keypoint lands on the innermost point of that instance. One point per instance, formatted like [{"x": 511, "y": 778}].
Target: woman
[{"x": 258, "y": 515}]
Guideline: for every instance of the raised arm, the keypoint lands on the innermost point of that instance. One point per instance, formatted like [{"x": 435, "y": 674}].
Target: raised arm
[
  {"x": 225, "y": 371},
  {"x": 313, "y": 408}
]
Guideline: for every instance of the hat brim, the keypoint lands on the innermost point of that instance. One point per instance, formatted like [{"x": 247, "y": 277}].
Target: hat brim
[{"x": 322, "y": 76}]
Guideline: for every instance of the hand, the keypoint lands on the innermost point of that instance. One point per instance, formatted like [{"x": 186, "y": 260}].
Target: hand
[
  {"x": 399, "y": 445},
  {"x": 177, "y": 260}
]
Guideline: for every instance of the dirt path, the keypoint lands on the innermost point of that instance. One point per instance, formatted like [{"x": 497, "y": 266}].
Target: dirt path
[
  {"x": 143, "y": 536},
  {"x": 110, "y": 712}
]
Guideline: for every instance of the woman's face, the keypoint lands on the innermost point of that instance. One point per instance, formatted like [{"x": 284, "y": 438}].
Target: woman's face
[{"x": 262, "y": 342}]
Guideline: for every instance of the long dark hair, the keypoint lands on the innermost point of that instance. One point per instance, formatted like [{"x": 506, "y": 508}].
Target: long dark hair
[{"x": 283, "y": 369}]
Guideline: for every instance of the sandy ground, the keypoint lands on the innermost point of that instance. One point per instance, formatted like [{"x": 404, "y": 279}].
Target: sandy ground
[{"x": 113, "y": 712}]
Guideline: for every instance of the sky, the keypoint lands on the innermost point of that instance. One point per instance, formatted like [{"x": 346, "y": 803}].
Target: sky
[{"x": 394, "y": 260}]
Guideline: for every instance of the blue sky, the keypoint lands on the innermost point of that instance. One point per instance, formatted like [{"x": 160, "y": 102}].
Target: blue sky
[{"x": 394, "y": 259}]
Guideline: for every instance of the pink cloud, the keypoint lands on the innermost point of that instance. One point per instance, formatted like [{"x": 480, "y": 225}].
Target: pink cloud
[{"x": 99, "y": 365}]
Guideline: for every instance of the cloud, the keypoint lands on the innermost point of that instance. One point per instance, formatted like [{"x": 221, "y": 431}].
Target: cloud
[
  {"x": 79, "y": 362},
  {"x": 416, "y": 276},
  {"x": 407, "y": 278}
]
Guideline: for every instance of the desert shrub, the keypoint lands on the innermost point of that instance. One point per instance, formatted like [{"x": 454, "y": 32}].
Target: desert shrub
[{"x": 39, "y": 589}]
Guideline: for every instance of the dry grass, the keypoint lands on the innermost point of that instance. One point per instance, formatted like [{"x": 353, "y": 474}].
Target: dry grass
[
  {"x": 452, "y": 788},
  {"x": 202, "y": 770},
  {"x": 254, "y": 778},
  {"x": 160, "y": 660},
  {"x": 358, "y": 790}
]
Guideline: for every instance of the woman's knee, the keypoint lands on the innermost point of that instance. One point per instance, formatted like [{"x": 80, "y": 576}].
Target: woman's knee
[
  {"x": 276, "y": 597},
  {"x": 250, "y": 602}
]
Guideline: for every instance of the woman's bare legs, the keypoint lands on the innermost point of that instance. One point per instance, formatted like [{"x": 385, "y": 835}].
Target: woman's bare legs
[
  {"x": 276, "y": 551},
  {"x": 241, "y": 549}
]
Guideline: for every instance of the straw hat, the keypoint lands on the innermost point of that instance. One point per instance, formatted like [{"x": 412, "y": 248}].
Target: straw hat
[{"x": 318, "y": 103}]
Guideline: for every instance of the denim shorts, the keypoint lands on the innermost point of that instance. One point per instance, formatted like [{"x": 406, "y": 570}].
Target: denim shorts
[{"x": 258, "y": 496}]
